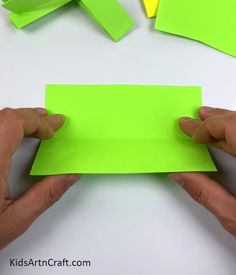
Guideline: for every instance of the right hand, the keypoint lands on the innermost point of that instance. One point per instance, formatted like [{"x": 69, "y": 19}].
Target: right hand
[{"x": 216, "y": 127}]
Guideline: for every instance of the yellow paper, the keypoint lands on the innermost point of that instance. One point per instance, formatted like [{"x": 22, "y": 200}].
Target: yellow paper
[{"x": 151, "y": 7}]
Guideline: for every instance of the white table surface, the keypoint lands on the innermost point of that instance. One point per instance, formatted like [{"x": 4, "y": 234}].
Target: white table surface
[{"x": 126, "y": 224}]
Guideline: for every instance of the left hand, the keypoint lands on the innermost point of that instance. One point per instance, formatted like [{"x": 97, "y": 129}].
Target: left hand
[{"x": 16, "y": 215}]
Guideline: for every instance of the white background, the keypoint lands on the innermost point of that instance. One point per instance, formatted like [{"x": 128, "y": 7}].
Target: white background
[{"x": 127, "y": 224}]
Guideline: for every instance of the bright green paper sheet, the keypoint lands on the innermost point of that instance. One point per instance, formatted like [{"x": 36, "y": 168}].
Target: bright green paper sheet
[
  {"x": 121, "y": 129},
  {"x": 25, "y": 12},
  {"x": 23, "y": 5},
  {"x": 110, "y": 15},
  {"x": 212, "y": 22}
]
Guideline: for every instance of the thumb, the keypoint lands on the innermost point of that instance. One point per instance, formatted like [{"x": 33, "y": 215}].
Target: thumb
[
  {"x": 39, "y": 198},
  {"x": 208, "y": 193}
]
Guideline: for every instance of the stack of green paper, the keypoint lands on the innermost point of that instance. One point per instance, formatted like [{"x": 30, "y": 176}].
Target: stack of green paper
[
  {"x": 109, "y": 14},
  {"x": 210, "y": 21},
  {"x": 121, "y": 129}
]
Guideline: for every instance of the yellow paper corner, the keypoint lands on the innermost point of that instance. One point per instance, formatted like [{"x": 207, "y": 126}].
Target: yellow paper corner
[{"x": 151, "y": 7}]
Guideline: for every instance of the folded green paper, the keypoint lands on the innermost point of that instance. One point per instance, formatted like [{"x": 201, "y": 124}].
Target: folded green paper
[
  {"x": 109, "y": 14},
  {"x": 22, "y": 15},
  {"x": 121, "y": 129},
  {"x": 212, "y": 22}
]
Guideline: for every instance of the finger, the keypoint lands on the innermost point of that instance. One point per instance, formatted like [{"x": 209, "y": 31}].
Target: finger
[
  {"x": 44, "y": 194},
  {"x": 218, "y": 131},
  {"x": 14, "y": 124},
  {"x": 55, "y": 121},
  {"x": 189, "y": 125},
  {"x": 48, "y": 126},
  {"x": 209, "y": 194},
  {"x": 211, "y": 130},
  {"x": 21, "y": 214},
  {"x": 39, "y": 126},
  {"x": 205, "y": 132},
  {"x": 205, "y": 112}
]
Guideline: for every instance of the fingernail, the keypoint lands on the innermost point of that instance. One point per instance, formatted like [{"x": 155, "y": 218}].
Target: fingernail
[
  {"x": 178, "y": 178},
  {"x": 59, "y": 117},
  {"x": 72, "y": 179},
  {"x": 40, "y": 111},
  {"x": 206, "y": 109},
  {"x": 186, "y": 118}
]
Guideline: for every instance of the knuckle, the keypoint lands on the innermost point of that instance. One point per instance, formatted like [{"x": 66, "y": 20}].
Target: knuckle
[
  {"x": 52, "y": 196},
  {"x": 201, "y": 195},
  {"x": 35, "y": 120},
  {"x": 201, "y": 135},
  {"x": 211, "y": 124}
]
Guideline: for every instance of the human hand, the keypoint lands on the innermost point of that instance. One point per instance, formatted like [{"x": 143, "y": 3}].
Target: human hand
[
  {"x": 216, "y": 127},
  {"x": 17, "y": 215}
]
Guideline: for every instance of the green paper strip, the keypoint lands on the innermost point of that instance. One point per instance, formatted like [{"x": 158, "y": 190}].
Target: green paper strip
[
  {"x": 23, "y": 19},
  {"x": 26, "y": 12},
  {"x": 110, "y": 15},
  {"x": 209, "y": 21},
  {"x": 121, "y": 129},
  {"x": 21, "y": 6}
]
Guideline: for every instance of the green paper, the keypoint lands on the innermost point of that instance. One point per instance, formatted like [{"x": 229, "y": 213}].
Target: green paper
[
  {"x": 25, "y": 12},
  {"x": 110, "y": 15},
  {"x": 23, "y": 5},
  {"x": 212, "y": 22},
  {"x": 121, "y": 129}
]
